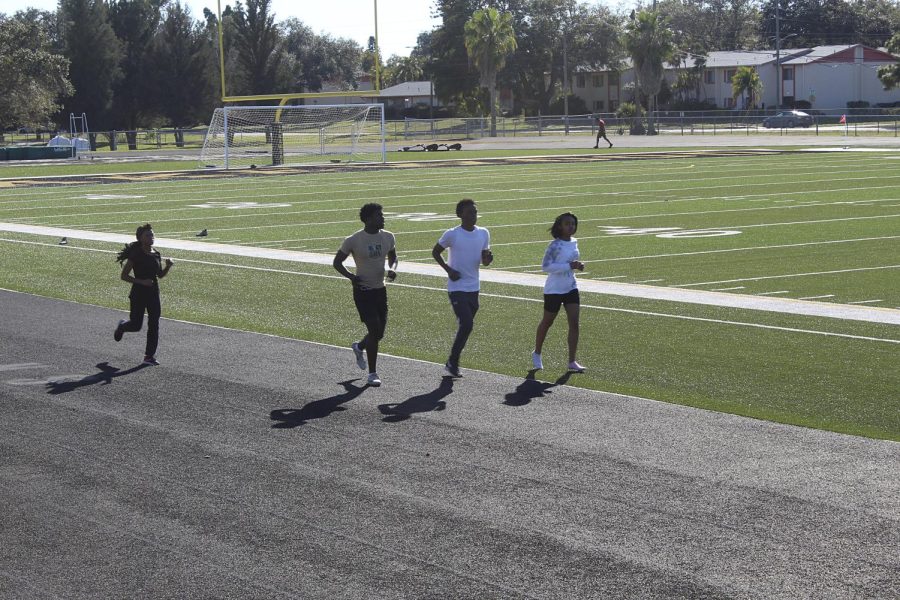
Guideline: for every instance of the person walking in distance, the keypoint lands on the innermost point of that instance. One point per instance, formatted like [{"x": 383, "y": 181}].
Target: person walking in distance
[
  {"x": 470, "y": 247},
  {"x": 601, "y": 133},
  {"x": 143, "y": 268},
  {"x": 369, "y": 247},
  {"x": 560, "y": 262}
]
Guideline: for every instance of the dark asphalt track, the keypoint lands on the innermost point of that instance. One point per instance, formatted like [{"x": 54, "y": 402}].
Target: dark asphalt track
[{"x": 249, "y": 466}]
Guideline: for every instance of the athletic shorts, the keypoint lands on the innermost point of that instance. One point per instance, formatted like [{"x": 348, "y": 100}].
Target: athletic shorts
[
  {"x": 552, "y": 302},
  {"x": 371, "y": 304}
]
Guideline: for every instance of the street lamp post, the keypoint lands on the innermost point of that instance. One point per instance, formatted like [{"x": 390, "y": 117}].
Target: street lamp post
[
  {"x": 565, "y": 85},
  {"x": 777, "y": 55}
]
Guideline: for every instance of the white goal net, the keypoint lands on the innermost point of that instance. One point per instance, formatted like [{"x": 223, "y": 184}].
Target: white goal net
[{"x": 261, "y": 136}]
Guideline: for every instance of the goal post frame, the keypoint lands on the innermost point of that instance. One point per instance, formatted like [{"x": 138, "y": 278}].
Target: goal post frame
[{"x": 275, "y": 115}]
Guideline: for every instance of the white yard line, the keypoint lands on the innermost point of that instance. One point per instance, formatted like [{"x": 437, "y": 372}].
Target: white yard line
[
  {"x": 698, "y": 252},
  {"x": 707, "y": 298},
  {"x": 773, "y": 293},
  {"x": 788, "y": 276},
  {"x": 816, "y": 297}
]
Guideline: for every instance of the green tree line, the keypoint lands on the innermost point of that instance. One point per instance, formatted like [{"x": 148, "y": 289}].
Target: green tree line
[{"x": 146, "y": 63}]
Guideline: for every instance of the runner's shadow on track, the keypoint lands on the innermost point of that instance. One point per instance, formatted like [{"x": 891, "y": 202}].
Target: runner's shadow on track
[
  {"x": 105, "y": 376},
  {"x": 531, "y": 388},
  {"x": 432, "y": 401},
  {"x": 288, "y": 418}
]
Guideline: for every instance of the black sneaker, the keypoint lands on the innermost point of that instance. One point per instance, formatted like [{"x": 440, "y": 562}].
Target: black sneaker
[
  {"x": 150, "y": 361},
  {"x": 453, "y": 370},
  {"x": 119, "y": 331}
]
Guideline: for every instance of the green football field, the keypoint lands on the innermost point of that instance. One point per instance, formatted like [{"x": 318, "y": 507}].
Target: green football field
[{"x": 812, "y": 227}]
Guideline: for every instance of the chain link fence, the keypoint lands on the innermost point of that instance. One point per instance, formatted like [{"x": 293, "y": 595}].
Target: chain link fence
[{"x": 857, "y": 123}]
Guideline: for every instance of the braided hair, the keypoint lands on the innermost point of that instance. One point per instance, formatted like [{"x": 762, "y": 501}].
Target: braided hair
[{"x": 125, "y": 253}]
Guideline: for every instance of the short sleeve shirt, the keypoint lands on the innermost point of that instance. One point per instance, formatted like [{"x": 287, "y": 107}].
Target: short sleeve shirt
[
  {"x": 465, "y": 256},
  {"x": 146, "y": 266},
  {"x": 369, "y": 251}
]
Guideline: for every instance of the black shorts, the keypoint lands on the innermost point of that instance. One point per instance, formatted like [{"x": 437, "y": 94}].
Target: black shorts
[
  {"x": 552, "y": 302},
  {"x": 371, "y": 304}
]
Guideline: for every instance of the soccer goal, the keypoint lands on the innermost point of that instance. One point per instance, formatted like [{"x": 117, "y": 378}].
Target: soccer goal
[{"x": 257, "y": 136}]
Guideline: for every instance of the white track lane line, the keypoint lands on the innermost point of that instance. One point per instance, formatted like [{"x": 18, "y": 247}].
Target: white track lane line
[{"x": 707, "y": 298}]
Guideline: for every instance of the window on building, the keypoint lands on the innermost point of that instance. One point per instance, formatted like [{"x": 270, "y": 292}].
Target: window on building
[
  {"x": 579, "y": 80},
  {"x": 598, "y": 105},
  {"x": 613, "y": 105},
  {"x": 709, "y": 76},
  {"x": 729, "y": 75},
  {"x": 613, "y": 78},
  {"x": 598, "y": 80},
  {"x": 729, "y": 102},
  {"x": 787, "y": 73}
]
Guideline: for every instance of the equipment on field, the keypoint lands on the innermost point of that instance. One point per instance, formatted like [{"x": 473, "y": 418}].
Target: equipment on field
[
  {"x": 431, "y": 147},
  {"x": 243, "y": 136}
]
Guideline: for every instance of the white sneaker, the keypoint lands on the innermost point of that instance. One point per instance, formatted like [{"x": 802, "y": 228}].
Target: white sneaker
[
  {"x": 452, "y": 370},
  {"x": 360, "y": 356},
  {"x": 536, "y": 361},
  {"x": 574, "y": 366},
  {"x": 373, "y": 380}
]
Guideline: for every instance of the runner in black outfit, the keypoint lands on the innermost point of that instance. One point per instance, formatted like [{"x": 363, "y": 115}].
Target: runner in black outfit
[{"x": 146, "y": 263}]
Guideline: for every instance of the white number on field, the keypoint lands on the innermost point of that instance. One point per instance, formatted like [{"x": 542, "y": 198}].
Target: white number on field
[
  {"x": 667, "y": 232},
  {"x": 423, "y": 216},
  {"x": 239, "y": 205}
]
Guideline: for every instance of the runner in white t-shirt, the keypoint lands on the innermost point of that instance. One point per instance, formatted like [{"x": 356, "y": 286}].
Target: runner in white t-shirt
[
  {"x": 560, "y": 261},
  {"x": 469, "y": 247}
]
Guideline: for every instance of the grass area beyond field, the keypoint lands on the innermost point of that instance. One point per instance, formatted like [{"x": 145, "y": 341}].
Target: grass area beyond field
[{"x": 805, "y": 226}]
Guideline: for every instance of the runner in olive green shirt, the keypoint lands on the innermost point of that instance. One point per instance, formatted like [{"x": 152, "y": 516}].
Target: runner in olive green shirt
[{"x": 369, "y": 247}]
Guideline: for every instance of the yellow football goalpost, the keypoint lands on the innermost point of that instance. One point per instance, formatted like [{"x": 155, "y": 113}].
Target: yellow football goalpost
[{"x": 285, "y": 98}]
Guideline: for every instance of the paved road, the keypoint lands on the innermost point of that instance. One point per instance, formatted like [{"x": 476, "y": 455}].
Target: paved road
[{"x": 249, "y": 466}]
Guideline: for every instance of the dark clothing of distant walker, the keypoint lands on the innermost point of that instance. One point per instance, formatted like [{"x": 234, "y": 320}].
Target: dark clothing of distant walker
[{"x": 601, "y": 133}]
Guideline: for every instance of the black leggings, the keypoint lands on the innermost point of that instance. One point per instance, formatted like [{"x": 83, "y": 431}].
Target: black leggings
[{"x": 145, "y": 299}]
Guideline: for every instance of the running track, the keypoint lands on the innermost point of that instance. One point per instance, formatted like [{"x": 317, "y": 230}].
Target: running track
[{"x": 251, "y": 466}]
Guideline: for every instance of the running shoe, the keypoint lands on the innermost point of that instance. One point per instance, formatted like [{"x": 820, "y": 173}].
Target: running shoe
[
  {"x": 373, "y": 380},
  {"x": 453, "y": 370},
  {"x": 536, "y": 361},
  {"x": 360, "y": 356},
  {"x": 119, "y": 330},
  {"x": 150, "y": 361},
  {"x": 575, "y": 367}
]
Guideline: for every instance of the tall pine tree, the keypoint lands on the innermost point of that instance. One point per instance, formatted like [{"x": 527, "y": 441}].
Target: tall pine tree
[{"x": 95, "y": 55}]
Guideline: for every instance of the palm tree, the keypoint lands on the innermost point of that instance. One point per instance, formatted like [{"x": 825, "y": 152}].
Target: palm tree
[
  {"x": 408, "y": 69},
  {"x": 890, "y": 74},
  {"x": 648, "y": 39},
  {"x": 489, "y": 38},
  {"x": 746, "y": 81}
]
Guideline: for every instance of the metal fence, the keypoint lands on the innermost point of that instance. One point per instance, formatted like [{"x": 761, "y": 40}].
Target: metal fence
[
  {"x": 144, "y": 139},
  {"x": 859, "y": 123}
]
